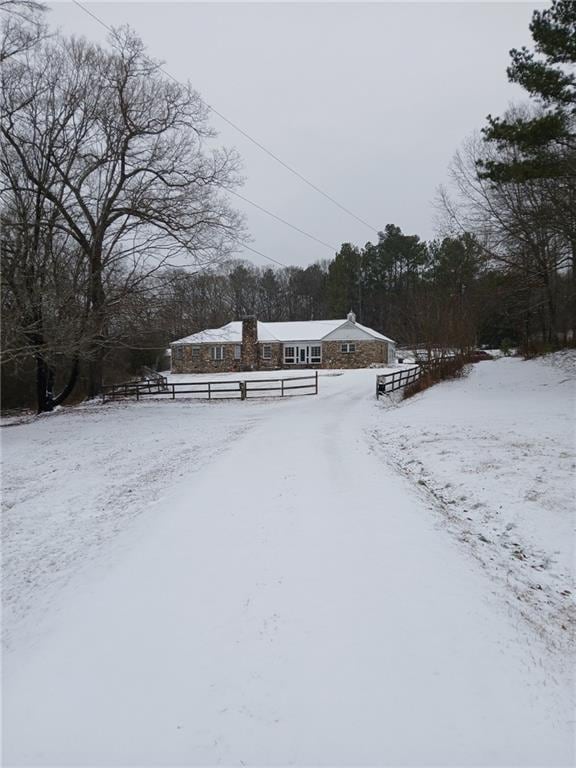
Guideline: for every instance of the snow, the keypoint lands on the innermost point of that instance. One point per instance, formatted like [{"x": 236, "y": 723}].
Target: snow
[
  {"x": 194, "y": 583},
  {"x": 495, "y": 453},
  {"x": 75, "y": 479},
  {"x": 309, "y": 330},
  {"x": 565, "y": 359}
]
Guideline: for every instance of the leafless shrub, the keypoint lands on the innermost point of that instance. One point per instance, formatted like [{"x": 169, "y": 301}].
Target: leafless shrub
[{"x": 453, "y": 368}]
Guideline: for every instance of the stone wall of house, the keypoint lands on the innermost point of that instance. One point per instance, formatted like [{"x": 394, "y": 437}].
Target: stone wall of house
[
  {"x": 366, "y": 354},
  {"x": 183, "y": 362},
  {"x": 276, "y": 361}
]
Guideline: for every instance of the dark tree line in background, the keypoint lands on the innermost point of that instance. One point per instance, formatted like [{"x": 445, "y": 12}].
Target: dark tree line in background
[
  {"x": 515, "y": 188},
  {"x": 117, "y": 236}
]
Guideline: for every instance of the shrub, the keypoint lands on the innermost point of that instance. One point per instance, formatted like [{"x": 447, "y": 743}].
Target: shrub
[{"x": 453, "y": 368}]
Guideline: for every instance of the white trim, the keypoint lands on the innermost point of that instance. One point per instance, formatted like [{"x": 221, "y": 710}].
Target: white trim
[
  {"x": 217, "y": 353},
  {"x": 302, "y": 353}
]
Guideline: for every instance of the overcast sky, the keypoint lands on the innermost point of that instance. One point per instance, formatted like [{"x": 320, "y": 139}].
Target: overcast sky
[{"x": 368, "y": 101}]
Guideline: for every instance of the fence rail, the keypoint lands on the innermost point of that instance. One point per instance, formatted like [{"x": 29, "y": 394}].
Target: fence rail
[
  {"x": 390, "y": 382},
  {"x": 149, "y": 374},
  {"x": 212, "y": 390}
]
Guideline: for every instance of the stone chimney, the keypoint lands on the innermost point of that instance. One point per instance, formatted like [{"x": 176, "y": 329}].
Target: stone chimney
[
  {"x": 249, "y": 357},
  {"x": 351, "y": 317}
]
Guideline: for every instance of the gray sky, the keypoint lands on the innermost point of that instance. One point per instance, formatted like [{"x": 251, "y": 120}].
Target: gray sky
[{"x": 369, "y": 101}]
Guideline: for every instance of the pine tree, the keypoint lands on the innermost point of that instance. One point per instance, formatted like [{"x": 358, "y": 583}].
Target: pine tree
[{"x": 541, "y": 145}]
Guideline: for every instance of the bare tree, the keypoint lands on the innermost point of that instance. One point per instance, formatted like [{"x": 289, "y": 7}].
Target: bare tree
[
  {"x": 22, "y": 26},
  {"x": 121, "y": 155},
  {"x": 517, "y": 225}
]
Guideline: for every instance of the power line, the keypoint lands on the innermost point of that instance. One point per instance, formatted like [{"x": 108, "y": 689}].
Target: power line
[
  {"x": 241, "y": 131},
  {"x": 332, "y": 248},
  {"x": 254, "y": 250},
  {"x": 251, "y": 202}
]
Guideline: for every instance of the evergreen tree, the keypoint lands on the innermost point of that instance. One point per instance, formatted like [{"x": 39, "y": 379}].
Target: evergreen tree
[
  {"x": 344, "y": 284},
  {"x": 544, "y": 142}
]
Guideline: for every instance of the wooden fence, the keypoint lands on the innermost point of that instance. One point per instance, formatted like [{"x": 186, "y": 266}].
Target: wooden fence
[
  {"x": 390, "y": 382},
  {"x": 213, "y": 390}
]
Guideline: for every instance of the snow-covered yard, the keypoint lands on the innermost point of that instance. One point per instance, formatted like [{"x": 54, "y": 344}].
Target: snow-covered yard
[
  {"x": 495, "y": 456},
  {"x": 295, "y": 581}
]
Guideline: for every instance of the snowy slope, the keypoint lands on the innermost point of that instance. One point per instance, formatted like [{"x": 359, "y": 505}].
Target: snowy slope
[
  {"x": 495, "y": 453},
  {"x": 285, "y": 596}
]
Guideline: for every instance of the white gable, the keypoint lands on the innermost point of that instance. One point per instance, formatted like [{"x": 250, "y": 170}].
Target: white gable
[{"x": 349, "y": 331}]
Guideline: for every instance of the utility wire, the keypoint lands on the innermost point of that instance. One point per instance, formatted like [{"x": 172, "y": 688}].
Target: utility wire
[
  {"x": 254, "y": 250},
  {"x": 248, "y": 247},
  {"x": 331, "y": 248},
  {"x": 243, "y": 132}
]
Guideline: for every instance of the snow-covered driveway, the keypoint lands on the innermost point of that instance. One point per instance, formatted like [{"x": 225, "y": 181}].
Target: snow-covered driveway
[{"x": 293, "y": 602}]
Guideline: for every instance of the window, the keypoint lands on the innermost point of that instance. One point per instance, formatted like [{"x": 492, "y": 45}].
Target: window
[
  {"x": 217, "y": 353},
  {"x": 316, "y": 354},
  {"x": 348, "y": 347},
  {"x": 237, "y": 352},
  {"x": 177, "y": 354},
  {"x": 195, "y": 353},
  {"x": 266, "y": 352},
  {"x": 289, "y": 356}
]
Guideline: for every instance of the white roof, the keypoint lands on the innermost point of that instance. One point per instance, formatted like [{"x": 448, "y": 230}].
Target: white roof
[{"x": 308, "y": 330}]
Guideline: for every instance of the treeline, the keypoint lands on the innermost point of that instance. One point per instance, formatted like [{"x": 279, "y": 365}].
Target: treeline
[
  {"x": 441, "y": 293},
  {"x": 514, "y": 187}
]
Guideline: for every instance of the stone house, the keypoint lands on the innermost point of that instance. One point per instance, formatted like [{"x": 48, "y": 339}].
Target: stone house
[{"x": 250, "y": 345}]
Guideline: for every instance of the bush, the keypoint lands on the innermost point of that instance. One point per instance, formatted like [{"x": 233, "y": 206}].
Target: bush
[{"x": 453, "y": 368}]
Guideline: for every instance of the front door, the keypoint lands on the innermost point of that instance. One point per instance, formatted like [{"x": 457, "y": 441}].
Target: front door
[{"x": 303, "y": 355}]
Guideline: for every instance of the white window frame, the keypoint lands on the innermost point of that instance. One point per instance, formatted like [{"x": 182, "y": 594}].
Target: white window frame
[
  {"x": 348, "y": 347},
  {"x": 195, "y": 354},
  {"x": 266, "y": 351},
  {"x": 217, "y": 354},
  {"x": 237, "y": 352},
  {"x": 290, "y": 359},
  {"x": 314, "y": 359}
]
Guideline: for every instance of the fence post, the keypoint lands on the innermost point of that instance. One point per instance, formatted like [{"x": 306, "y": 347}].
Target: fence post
[
  {"x": 316, "y": 391},
  {"x": 173, "y": 392},
  {"x": 242, "y": 390},
  {"x": 209, "y": 392},
  {"x": 137, "y": 392},
  {"x": 281, "y": 387}
]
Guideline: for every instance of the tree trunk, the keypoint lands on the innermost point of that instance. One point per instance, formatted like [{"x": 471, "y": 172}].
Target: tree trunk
[
  {"x": 43, "y": 401},
  {"x": 70, "y": 384},
  {"x": 572, "y": 299},
  {"x": 97, "y": 299}
]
